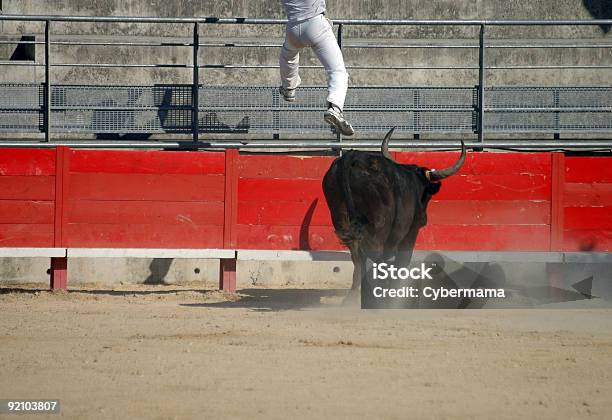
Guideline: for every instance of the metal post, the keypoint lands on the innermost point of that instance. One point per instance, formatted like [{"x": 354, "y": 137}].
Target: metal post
[
  {"x": 556, "y": 104},
  {"x": 481, "y": 84},
  {"x": 275, "y": 114},
  {"x": 47, "y": 92},
  {"x": 339, "y": 134},
  {"x": 416, "y": 116},
  {"x": 195, "y": 89}
]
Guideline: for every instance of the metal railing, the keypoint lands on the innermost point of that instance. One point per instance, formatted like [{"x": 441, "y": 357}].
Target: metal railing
[{"x": 480, "y": 109}]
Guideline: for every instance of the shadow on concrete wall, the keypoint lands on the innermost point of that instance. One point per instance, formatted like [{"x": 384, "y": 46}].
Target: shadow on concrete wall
[
  {"x": 24, "y": 52},
  {"x": 600, "y": 9},
  {"x": 159, "y": 270}
]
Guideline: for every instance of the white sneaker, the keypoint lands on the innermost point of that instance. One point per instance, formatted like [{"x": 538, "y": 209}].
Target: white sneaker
[
  {"x": 288, "y": 94},
  {"x": 335, "y": 118}
]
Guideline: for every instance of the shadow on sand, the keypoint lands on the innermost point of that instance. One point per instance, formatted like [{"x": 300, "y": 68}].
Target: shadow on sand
[
  {"x": 277, "y": 299},
  {"x": 32, "y": 291},
  {"x": 255, "y": 299}
]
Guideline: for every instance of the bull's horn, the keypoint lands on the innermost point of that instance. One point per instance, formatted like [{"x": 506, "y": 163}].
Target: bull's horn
[
  {"x": 384, "y": 148},
  {"x": 438, "y": 175}
]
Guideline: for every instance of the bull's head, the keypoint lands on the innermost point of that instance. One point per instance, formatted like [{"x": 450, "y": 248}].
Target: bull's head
[{"x": 432, "y": 175}]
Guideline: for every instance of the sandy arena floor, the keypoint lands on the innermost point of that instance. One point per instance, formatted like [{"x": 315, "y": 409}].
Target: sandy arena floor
[{"x": 161, "y": 352}]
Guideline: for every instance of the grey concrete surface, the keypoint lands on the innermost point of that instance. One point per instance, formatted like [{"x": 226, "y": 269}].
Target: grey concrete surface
[
  {"x": 204, "y": 272},
  {"x": 298, "y": 274},
  {"x": 349, "y": 9}
]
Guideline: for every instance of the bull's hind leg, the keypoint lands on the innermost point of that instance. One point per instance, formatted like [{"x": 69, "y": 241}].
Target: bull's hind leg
[{"x": 402, "y": 259}]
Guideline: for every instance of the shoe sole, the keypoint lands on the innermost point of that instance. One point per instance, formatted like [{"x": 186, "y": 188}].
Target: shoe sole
[
  {"x": 333, "y": 120},
  {"x": 288, "y": 98}
]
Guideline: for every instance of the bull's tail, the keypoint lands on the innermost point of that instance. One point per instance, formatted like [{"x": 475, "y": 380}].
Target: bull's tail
[{"x": 356, "y": 221}]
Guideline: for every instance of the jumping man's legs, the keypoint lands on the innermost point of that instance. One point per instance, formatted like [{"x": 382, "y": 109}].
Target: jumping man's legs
[
  {"x": 329, "y": 54},
  {"x": 316, "y": 33},
  {"x": 289, "y": 62}
]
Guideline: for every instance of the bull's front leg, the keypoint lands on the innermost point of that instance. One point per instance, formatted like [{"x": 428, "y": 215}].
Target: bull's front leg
[{"x": 358, "y": 270}]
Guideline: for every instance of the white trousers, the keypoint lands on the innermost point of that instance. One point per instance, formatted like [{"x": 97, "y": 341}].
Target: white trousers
[{"x": 317, "y": 33}]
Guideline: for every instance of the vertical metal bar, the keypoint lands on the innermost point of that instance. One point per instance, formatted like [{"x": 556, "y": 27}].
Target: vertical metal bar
[
  {"x": 340, "y": 40},
  {"x": 556, "y": 104},
  {"x": 416, "y": 116},
  {"x": 275, "y": 114},
  {"x": 481, "y": 84},
  {"x": 47, "y": 92},
  {"x": 195, "y": 89}
]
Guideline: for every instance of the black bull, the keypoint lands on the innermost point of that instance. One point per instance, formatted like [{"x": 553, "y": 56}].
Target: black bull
[{"x": 377, "y": 205}]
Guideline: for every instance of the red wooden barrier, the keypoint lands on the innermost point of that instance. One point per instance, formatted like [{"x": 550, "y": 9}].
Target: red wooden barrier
[
  {"x": 497, "y": 202},
  {"x": 587, "y": 205},
  {"x": 27, "y": 197},
  {"x": 145, "y": 199},
  {"x": 281, "y": 203},
  {"x": 153, "y": 199}
]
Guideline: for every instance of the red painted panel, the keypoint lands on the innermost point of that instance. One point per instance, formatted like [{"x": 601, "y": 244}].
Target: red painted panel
[
  {"x": 586, "y": 195},
  {"x": 27, "y": 188},
  {"x": 468, "y": 187},
  {"x": 588, "y": 204},
  {"x": 231, "y": 208},
  {"x": 287, "y": 237},
  {"x": 292, "y": 167},
  {"x": 556, "y": 200},
  {"x": 482, "y": 163},
  {"x": 279, "y": 189},
  {"x": 26, "y": 212},
  {"x": 495, "y": 187},
  {"x": 473, "y": 212},
  {"x": 588, "y": 169},
  {"x": 26, "y": 235},
  {"x": 171, "y": 187},
  {"x": 463, "y": 237},
  {"x": 485, "y": 237},
  {"x": 284, "y": 213},
  {"x": 27, "y": 162},
  {"x": 286, "y": 167},
  {"x": 447, "y": 212},
  {"x": 173, "y": 199},
  {"x": 147, "y": 162},
  {"x": 143, "y": 236},
  {"x": 61, "y": 195},
  {"x": 588, "y": 240},
  {"x": 589, "y": 218},
  {"x": 145, "y": 212}
]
